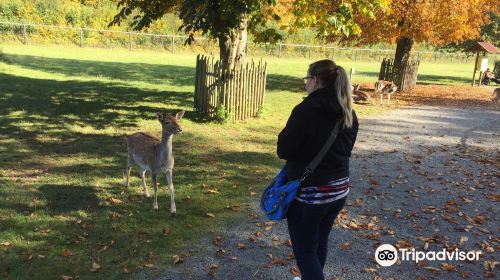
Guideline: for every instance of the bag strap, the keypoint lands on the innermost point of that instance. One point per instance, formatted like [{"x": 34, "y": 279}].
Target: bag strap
[{"x": 317, "y": 159}]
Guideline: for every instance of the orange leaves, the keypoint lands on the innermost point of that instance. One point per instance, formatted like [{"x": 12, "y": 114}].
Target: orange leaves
[
  {"x": 295, "y": 271},
  {"x": 116, "y": 201},
  {"x": 346, "y": 245},
  {"x": 212, "y": 191},
  {"x": 233, "y": 207},
  {"x": 66, "y": 253},
  {"x": 167, "y": 230},
  {"x": 373, "y": 182}
]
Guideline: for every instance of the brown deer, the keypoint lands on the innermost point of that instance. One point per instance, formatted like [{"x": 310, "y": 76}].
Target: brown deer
[
  {"x": 496, "y": 95},
  {"x": 361, "y": 95},
  {"x": 385, "y": 87},
  {"x": 154, "y": 155}
]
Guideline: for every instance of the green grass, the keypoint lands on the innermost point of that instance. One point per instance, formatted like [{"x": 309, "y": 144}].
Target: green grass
[{"x": 63, "y": 114}]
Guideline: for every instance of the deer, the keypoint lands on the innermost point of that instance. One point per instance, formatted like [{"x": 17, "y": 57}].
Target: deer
[
  {"x": 361, "y": 95},
  {"x": 385, "y": 87},
  {"x": 496, "y": 95},
  {"x": 154, "y": 155}
]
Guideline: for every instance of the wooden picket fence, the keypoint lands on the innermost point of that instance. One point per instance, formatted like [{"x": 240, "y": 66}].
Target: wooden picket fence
[
  {"x": 239, "y": 92},
  {"x": 405, "y": 77}
]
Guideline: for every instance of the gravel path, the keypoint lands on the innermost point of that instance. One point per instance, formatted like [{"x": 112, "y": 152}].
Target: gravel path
[{"x": 421, "y": 176}]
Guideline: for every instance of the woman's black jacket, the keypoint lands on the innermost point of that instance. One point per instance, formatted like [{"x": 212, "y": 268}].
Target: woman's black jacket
[{"x": 307, "y": 129}]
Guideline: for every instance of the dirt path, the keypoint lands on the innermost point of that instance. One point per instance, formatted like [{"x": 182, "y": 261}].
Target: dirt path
[{"x": 420, "y": 175}]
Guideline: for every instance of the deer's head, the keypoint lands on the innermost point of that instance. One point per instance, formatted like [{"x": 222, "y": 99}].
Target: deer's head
[{"x": 170, "y": 124}]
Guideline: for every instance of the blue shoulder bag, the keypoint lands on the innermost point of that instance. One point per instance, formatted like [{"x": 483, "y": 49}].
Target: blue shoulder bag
[{"x": 278, "y": 196}]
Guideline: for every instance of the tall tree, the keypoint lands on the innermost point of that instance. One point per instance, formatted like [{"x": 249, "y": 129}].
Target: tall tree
[
  {"x": 226, "y": 20},
  {"x": 438, "y": 22}
]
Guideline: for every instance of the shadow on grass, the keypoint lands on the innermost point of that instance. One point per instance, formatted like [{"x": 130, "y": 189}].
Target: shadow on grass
[
  {"x": 62, "y": 199},
  {"x": 426, "y": 79},
  {"x": 141, "y": 72}
]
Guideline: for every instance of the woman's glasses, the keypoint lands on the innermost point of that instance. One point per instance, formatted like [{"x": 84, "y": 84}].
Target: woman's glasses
[{"x": 306, "y": 78}]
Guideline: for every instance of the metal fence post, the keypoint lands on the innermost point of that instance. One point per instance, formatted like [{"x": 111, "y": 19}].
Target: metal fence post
[
  {"x": 130, "y": 41},
  {"x": 25, "y": 39},
  {"x": 173, "y": 49},
  {"x": 81, "y": 37}
]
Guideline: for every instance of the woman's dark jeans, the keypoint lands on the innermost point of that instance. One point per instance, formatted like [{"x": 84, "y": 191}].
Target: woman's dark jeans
[{"x": 309, "y": 226}]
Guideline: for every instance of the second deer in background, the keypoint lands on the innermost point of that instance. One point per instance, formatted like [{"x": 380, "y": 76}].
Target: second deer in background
[{"x": 385, "y": 87}]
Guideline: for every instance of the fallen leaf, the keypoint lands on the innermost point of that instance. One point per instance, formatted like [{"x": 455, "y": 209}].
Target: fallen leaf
[
  {"x": 346, "y": 245},
  {"x": 241, "y": 246},
  {"x": 126, "y": 269},
  {"x": 463, "y": 239},
  {"x": 210, "y": 215},
  {"x": 432, "y": 269},
  {"x": 490, "y": 265},
  {"x": 150, "y": 265},
  {"x": 95, "y": 267},
  {"x": 212, "y": 191},
  {"x": 295, "y": 271},
  {"x": 253, "y": 193},
  {"x": 404, "y": 244},
  {"x": 258, "y": 234},
  {"x": 373, "y": 182},
  {"x": 369, "y": 270},
  {"x": 66, "y": 277},
  {"x": 177, "y": 259},
  {"x": 6, "y": 243},
  {"x": 213, "y": 266},
  {"x": 66, "y": 253},
  {"x": 116, "y": 201},
  {"x": 233, "y": 207},
  {"x": 167, "y": 230},
  {"x": 448, "y": 267}
]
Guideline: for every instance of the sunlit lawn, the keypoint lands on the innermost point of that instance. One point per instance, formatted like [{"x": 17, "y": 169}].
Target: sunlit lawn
[{"x": 63, "y": 115}]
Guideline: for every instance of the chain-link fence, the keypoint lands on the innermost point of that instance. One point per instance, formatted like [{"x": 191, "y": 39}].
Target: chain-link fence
[{"x": 102, "y": 38}]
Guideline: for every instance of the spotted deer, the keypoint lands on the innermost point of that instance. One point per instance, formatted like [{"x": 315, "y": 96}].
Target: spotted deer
[
  {"x": 154, "y": 155},
  {"x": 385, "y": 87},
  {"x": 360, "y": 95}
]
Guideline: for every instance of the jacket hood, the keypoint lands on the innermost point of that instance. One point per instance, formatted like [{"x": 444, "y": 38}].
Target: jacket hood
[{"x": 325, "y": 102}]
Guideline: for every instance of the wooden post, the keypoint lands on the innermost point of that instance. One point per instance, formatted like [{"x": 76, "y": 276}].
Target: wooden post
[
  {"x": 81, "y": 37},
  {"x": 475, "y": 68},
  {"x": 172, "y": 41},
  {"x": 279, "y": 50}
]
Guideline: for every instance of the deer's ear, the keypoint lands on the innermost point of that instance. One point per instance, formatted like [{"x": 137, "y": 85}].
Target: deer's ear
[{"x": 179, "y": 115}]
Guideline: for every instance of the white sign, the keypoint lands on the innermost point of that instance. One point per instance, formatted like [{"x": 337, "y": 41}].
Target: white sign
[{"x": 484, "y": 65}]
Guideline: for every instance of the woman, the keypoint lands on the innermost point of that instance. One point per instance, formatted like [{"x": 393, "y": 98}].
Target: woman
[{"x": 322, "y": 194}]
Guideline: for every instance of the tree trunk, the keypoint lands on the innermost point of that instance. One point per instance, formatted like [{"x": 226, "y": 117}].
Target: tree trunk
[
  {"x": 403, "y": 50},
  {"x": 233, "y": 47}
]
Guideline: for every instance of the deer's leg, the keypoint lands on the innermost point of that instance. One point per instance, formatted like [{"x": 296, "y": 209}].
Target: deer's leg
[
  {"x": 171, "y": 189},
  {"x": 143, "y": 182},
  {"x": 130, "y": 162},
  {"x": 155, "y": 187}
]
